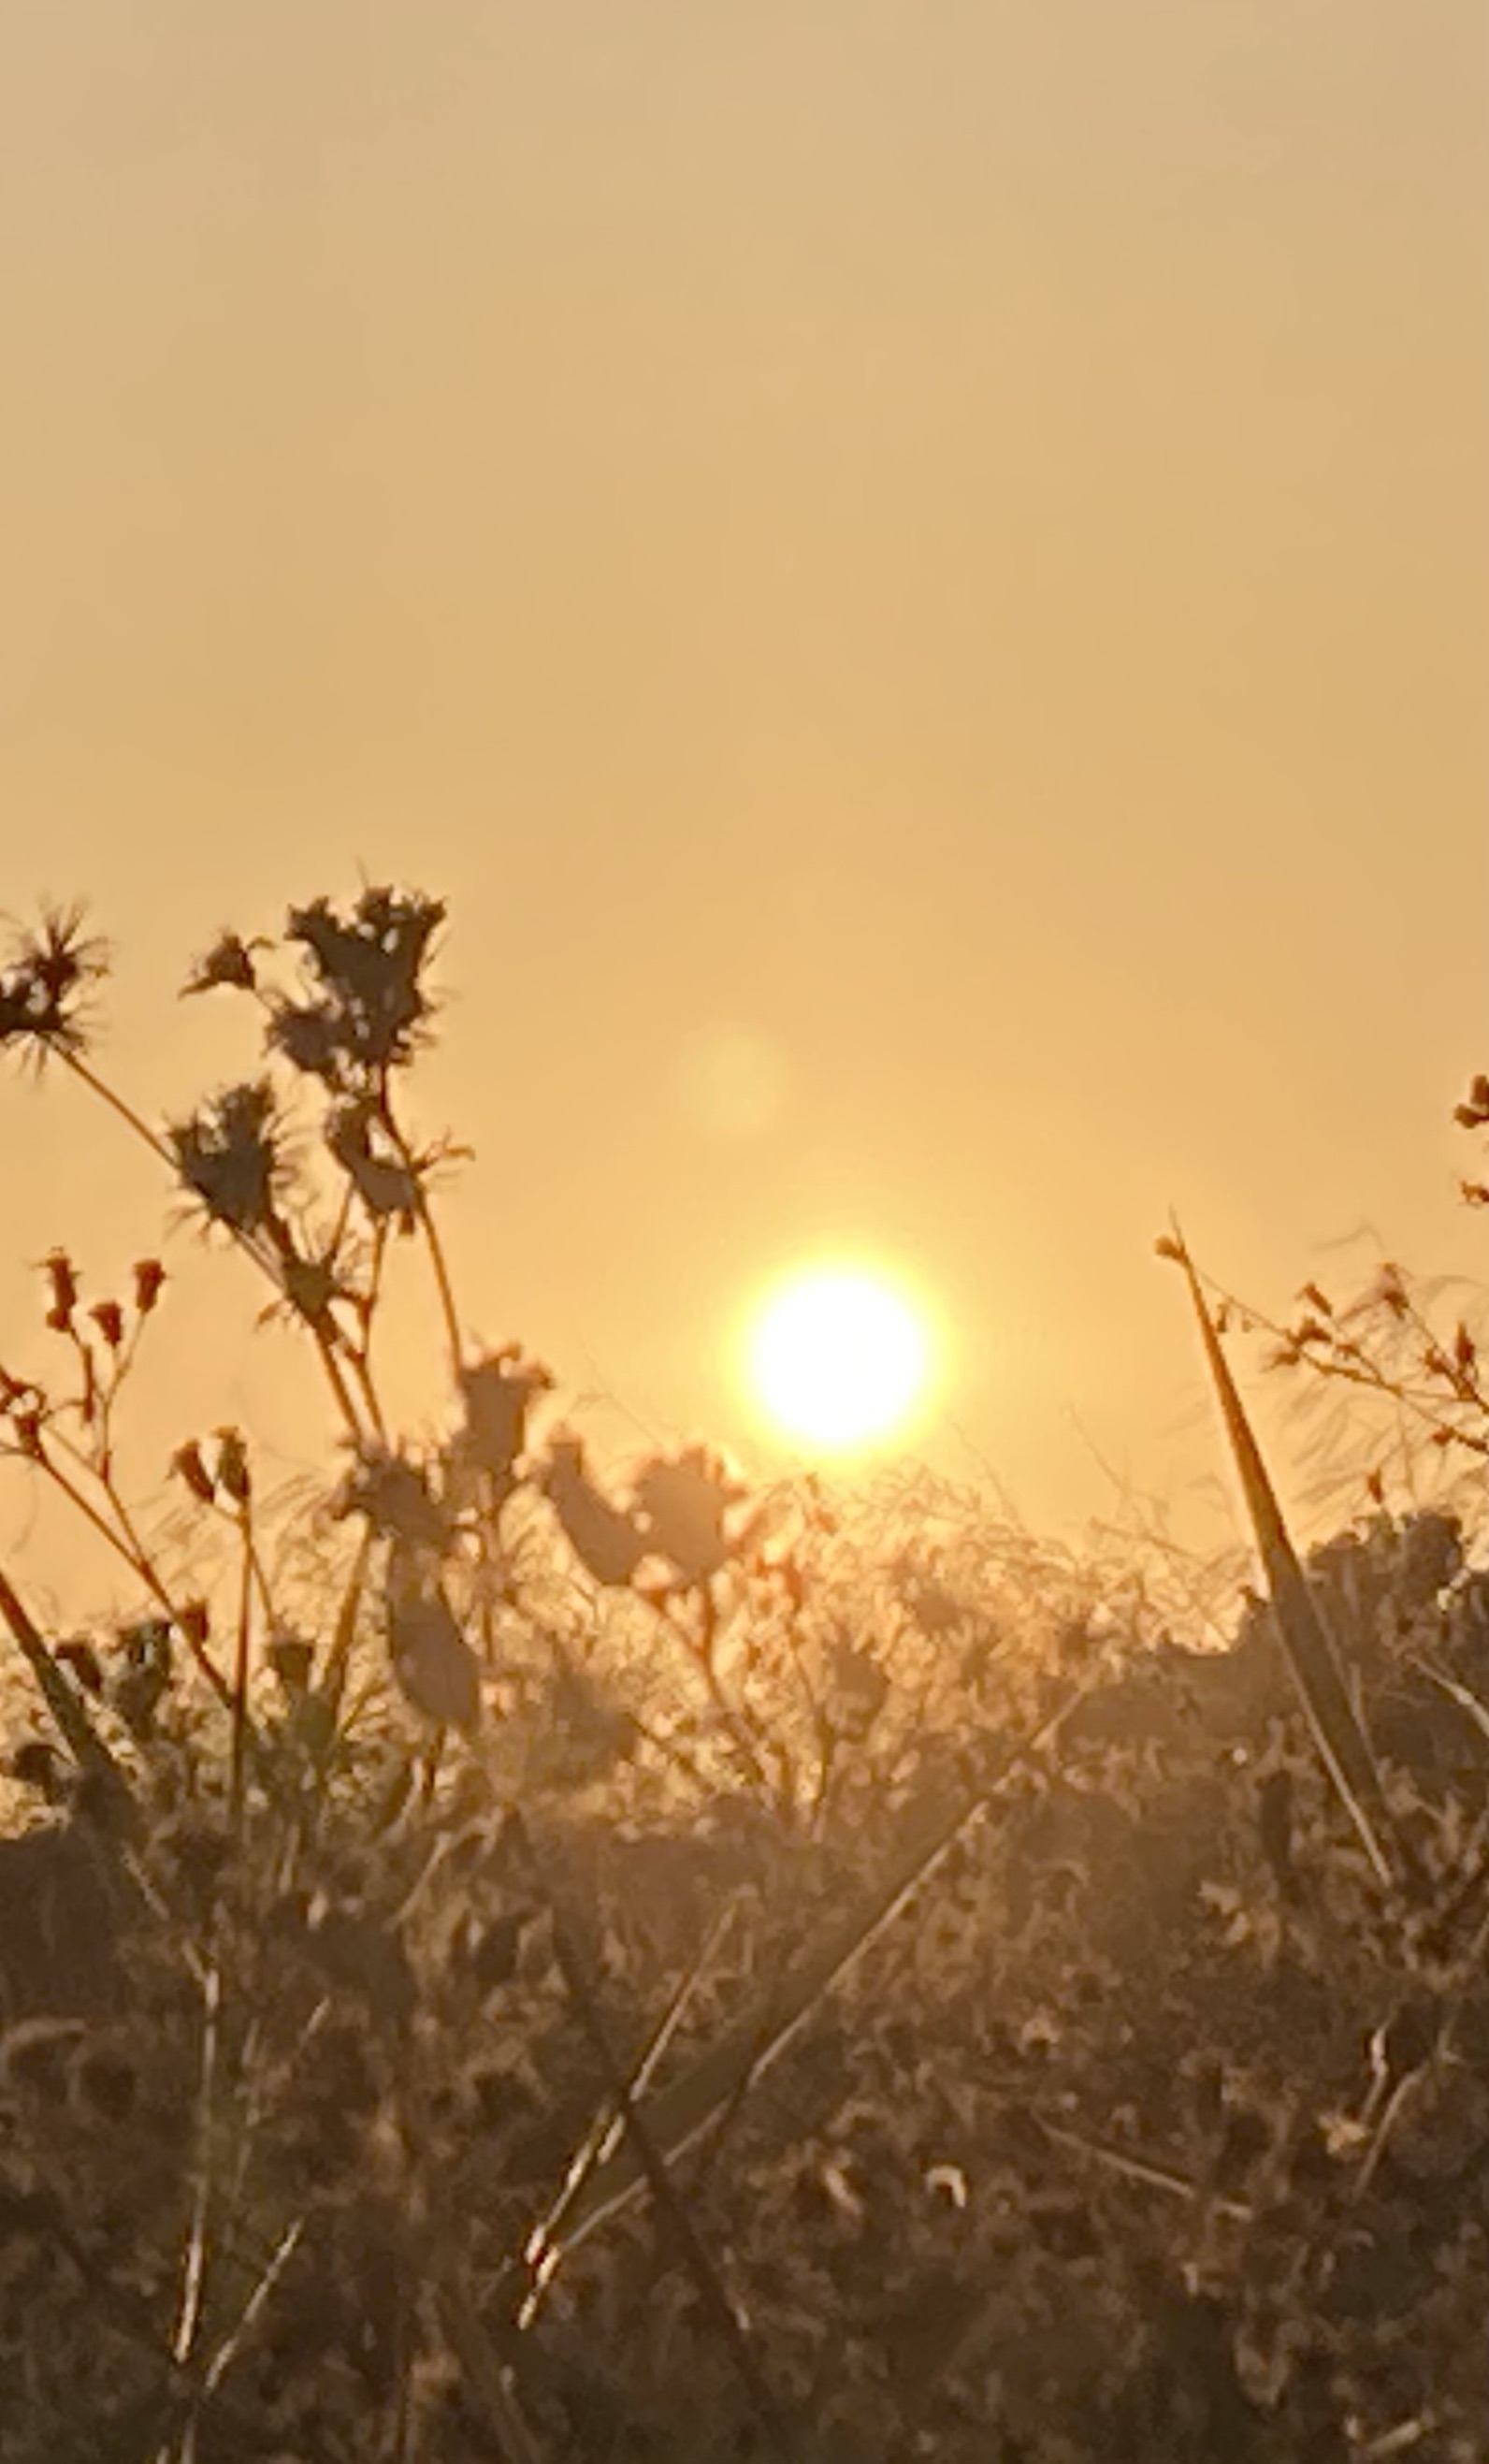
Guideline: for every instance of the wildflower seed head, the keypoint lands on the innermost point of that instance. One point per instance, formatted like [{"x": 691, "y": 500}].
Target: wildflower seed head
[
  {"x": 310, "y": 1040},
  {"x": 370, "y": 1005},
  {"x": 46, "y": 985},
  {"x": 227, "y": 1154}
]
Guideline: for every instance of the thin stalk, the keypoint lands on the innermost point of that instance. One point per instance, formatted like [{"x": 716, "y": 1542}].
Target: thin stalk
[
  {"x": 240, "y": 1665},
  {"x": 193, "y": 2273},
  {"x": 542, "y": 2252},
  {"x": 438, "y": 1261},
  {"x": 116, "y": 1103},
  {"x": 671, "y": 2207},
  {"x": 232, "y": 2342},
  {"x": 126, "y": 1545},
  {"x": 324, "y": 1344},
  {"x": 678, "y": 2116},
  {"x": 700, "y": 1651}
]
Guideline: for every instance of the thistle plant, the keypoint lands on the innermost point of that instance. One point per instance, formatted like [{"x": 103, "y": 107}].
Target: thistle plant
[{"x": 576, "y": 1962}]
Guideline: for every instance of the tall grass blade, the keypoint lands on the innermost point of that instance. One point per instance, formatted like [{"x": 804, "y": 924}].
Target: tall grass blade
[{"x": 1331, "y": 1716}]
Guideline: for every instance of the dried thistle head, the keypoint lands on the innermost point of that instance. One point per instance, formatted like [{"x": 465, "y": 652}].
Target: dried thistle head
[
  {"x": 47, "y": 986},
  {"x": 370, "y": 1003},
  {"x": 387, "y": 1187},
  {"x": 396, "y": 1499},
  {"x": 498, "y": 1392},
  {"x": 228, "y": 1154},
  {"x": 685, "y": 1500}
]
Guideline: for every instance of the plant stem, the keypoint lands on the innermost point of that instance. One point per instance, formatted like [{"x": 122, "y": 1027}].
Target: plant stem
[{"x": 670, "y": 2205}]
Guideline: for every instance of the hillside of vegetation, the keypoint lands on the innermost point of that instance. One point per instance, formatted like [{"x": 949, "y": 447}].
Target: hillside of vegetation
[{"x": 517, "y": 1969}]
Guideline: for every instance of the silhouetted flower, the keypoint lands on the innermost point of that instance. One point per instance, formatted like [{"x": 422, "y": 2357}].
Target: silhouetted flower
[
  {"x": 227, "y": 1154},
  {"x": 230, "y": 961},
  {"x": 310, "y": 1040},
  {"x": 395, "y": 1497},
  {"x": 46, "y": 985},
  {"x": 684, "y": 1503},
  {"x": 386, "y": 1186},
  {"x": 604, "y": 1539},
  {"x": 498, "y": 1392},
  {"x": 431, "y": 1660},
  {"x": 372, "y": 1004}
]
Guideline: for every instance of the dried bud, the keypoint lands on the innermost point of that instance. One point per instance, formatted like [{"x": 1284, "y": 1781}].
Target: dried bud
[
  {"x": 1166, "y": 1247},
  {"x": 63, "y": 1275},
  {"x": 109, "y": 1319},
  {"x": 232, "y": 1470},
  {"x": 195, "y": 1622},
  {"x": 186, "y": 1461},
  {"x": 292, "y": 1659},
  {"x": 230, "y": 962},
  {"x": 1391, "y": 1290},
  {"x": 149, "y": 1275}
]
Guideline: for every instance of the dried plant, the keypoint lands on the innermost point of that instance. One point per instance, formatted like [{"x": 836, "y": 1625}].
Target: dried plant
[{"x": 514, "y": 1958}]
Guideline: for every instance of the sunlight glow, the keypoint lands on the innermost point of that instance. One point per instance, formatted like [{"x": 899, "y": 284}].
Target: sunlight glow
[{"x": 838, "y": 1358}]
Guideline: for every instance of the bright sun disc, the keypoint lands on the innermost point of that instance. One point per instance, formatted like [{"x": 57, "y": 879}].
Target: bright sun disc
[{"x": 838, "y": 1358}]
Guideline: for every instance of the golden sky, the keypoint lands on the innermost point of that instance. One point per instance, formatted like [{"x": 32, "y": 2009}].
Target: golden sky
[{"x": 914, "y": 568}]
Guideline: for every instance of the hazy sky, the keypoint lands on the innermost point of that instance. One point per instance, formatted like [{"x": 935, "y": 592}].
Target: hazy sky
[{"x": 945, "y": 537}]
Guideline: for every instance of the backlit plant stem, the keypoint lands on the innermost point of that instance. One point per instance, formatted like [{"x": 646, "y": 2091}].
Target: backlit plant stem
[{"x": 324, "y": 1343}]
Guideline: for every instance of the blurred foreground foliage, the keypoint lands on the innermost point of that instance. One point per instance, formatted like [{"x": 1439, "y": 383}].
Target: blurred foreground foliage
[{"x": 517, "y": 1969}]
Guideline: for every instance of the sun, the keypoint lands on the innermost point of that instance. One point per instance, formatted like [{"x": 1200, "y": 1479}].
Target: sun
[{"x": 838, "y": 1356}]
